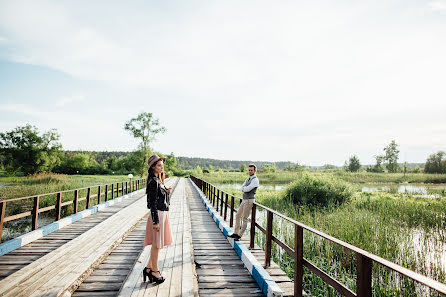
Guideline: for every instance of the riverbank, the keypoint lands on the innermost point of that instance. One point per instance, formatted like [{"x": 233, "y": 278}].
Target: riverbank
[{"x": 285, "y": 177}]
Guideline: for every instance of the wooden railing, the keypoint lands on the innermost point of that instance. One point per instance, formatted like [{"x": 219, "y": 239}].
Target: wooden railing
[
  {"x": 108, "y": 191},
  {"x": 364, "y": 260}
]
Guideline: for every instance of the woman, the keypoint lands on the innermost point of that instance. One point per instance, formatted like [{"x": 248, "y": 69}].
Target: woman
[{"x": 158, "y": 233}]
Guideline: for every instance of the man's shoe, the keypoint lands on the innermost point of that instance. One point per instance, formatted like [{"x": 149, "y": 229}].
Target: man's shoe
[{"x": 234, "y": 235}]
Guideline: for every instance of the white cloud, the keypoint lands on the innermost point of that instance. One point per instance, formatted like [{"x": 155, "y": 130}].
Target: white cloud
[
  {"x": 70, "y": 99},
  {"x": 438, "y": 5}
]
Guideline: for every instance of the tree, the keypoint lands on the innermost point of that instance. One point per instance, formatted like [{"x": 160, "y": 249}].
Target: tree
[
  {"x": 378, "y": 167},
  {"x": 436, "y": 163},
  {"x": 243, "y": 168},
  {"x": 353, "y": 164},
  {"x": 171, "y": 162},
  {"x": 144, "y": 127},
  {"x": 25, "y": 150},
  {"x": 391, "y": 156}
]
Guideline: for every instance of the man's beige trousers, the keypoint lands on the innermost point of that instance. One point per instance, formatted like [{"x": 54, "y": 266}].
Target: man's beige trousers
[{"x": 243, "y": 212}]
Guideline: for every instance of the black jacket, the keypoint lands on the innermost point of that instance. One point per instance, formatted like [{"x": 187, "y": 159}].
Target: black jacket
[{"x": 157, "y": 198}]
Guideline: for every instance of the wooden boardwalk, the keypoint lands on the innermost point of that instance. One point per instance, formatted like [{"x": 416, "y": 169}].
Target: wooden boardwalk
[
  {"x": 21, "y": 257},
  {"x": 103, "y": 255},
  {"x": 219, "y": 270},
  {"x": 108, "y": 278},
  {"x": 175, "y": 261}
]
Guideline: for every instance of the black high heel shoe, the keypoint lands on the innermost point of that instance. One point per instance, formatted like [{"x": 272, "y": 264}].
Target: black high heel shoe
[
  {"x": 147, "y": 272},
  {"x": 155, "y": 279}
]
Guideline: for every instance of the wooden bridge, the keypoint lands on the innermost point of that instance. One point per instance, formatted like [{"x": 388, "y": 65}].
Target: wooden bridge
[{"x": 99, "y": 251}]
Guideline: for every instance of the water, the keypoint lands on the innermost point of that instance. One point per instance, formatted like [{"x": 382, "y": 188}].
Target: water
[
  {"x": 426, "y": 190},
  {"x": 412, "y": 189},
  {"x": 265, "y": 187}
]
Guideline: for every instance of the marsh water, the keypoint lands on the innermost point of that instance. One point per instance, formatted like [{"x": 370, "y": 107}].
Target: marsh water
[{"x": 427, "y": 190}]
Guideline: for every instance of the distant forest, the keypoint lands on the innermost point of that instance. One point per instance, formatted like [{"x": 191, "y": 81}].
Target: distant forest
[{"x": 189, "y": 163}]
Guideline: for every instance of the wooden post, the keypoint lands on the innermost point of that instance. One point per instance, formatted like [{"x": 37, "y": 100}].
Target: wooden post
[
  {"x": 221, "y": 203},
  {"x": 363, "y": 276},
  {"x": 122, "y": 189},
  {"x": 253, "y": 227},
  {"x": 112, "y": 190},
  {"x": 99, "y": 194},
  {"x": 217, "y": 198},
  {"x": 106, "y": 192},
  {"x": 75, "y": 200},
  {"x": 226, "y": 206},
  {"x": 88, "y": 197},
  {"x": 117, "y": 189},
  {"x": 58, "y": 205},
  {"x": 126, "y": 187},
  {"x": 35, "y": 213},
  {"x": 269, "y": 236},
  {"x": 231, "y": 215},
  {"x": 2, "y": 217},
  {"x": 298, "y": 260}
]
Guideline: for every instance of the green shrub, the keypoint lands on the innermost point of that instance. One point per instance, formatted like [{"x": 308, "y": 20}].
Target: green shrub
[{"x": 318, "y": 191}]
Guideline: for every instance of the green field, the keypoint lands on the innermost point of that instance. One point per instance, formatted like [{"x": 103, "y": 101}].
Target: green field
[
  {"x": 405, "y": 229},
  {"x": 13, "y": 187}
]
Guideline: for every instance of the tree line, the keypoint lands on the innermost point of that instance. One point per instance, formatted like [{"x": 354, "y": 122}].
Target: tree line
[{"x": 24, "y": 150}]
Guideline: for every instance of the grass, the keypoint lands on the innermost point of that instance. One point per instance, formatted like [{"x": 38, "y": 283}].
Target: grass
[
  {"x": 406, "y": 229},
  {"x": 14, "y": 187}
]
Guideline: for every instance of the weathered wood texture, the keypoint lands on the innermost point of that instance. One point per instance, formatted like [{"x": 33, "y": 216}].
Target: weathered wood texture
[
  {"x": 60, "y": 272},
  {"x": 175, "y": 261},
  {"x": 219, "y": 270},
  {"x": 19, "y": 258}
]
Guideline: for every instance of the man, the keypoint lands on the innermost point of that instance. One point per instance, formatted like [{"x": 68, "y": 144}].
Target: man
[{"x": 249, "y": 189}]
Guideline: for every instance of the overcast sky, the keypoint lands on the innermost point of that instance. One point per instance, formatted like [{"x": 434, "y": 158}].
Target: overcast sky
[{"x": 307, "y": 81}]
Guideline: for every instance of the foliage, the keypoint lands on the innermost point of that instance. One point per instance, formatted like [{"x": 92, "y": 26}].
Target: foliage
[
  {"x": 353, "y": 164},
  {"x": 269, "y": 168},
  {"x": 24, "y": 149},
  {"x": 391, "y": 157},
  {"x": 318, "y": 191},
  {"x": 144, "y": 127},
  {"x": 436, "y": 163},
  {"x": 243, "y": 168}
]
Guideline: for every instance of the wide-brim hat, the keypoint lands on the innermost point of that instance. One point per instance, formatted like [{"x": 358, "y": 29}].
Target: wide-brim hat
[{"x": 153, "y": 159}]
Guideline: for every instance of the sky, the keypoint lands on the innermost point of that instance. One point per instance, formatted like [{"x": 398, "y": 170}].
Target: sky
[{"x": 313, "y": 82}]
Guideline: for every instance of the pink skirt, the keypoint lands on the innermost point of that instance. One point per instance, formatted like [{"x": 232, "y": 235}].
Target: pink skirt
[{"x": 163, "y": 236}]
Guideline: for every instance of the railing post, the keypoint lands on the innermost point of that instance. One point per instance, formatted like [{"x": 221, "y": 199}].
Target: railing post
[
  {"x": 298, "y": 260},
  {"x": 75, "y": 201},
  {"x": 217, "y": 198},
  {"x": 58, "y": 205},
  {"x": 35, "y": 213},
  {"x": 253, "y": 227},
  {"x": 363, "y": 276},
  {"x": 2, "y": 217},
  {"x": 269, "y": 237},
  {"x": 226, "y": 207},
  {"x": 117, "y": 189},
  {"x": 99, "y": 194},
  {"x": 112, "y": 190},
  {"x": 126, "y": 187},
  {"x": 221, "y": 203},
  {"x": 88, "y": 197},
  {"x": 122, "y": 189},
  {"x": 106, "y": 192},
  {"x": 231, "y": 215}
]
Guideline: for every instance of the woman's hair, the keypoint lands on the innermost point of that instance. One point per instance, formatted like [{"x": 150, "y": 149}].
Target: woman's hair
[{"x": 152, "y": 173}]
